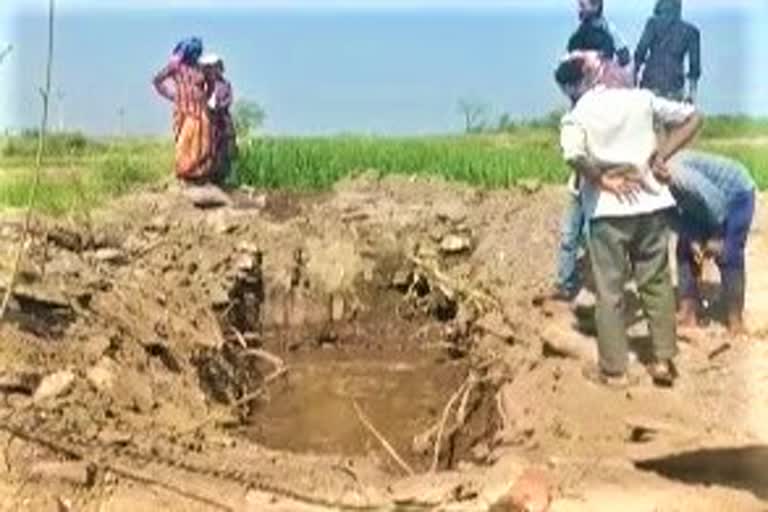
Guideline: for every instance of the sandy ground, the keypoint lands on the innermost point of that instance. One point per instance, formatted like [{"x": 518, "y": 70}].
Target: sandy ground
[{"x": 393, "y": 296}]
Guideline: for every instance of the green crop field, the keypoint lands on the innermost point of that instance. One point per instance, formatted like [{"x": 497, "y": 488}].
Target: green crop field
[
  {"x": 80, "y": 173},
  {"x": 487, "y": 160}
]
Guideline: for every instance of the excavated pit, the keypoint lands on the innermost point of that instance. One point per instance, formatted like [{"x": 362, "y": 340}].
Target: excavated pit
[
  {"x": 312, "y": 409},
  {"x": 376, "y": 354}
]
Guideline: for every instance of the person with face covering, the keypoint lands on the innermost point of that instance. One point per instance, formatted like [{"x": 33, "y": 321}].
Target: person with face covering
[
  {"x": 591, "y": 16},
  {"x": 572, "y": 227},
  {"x": 608, "y": 139},
  {"x": 661, "y": 52}
]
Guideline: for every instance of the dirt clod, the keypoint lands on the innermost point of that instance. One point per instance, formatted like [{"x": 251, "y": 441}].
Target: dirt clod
[
  {"x": 54, "y": 385},
  {"x": 532, "y": 492},
  {"x": 454, "y": 244},
  {"x": 73, "y": 472}
]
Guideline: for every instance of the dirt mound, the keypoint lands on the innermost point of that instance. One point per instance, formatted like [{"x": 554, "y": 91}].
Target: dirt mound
[{"x": 297, "y": 345}]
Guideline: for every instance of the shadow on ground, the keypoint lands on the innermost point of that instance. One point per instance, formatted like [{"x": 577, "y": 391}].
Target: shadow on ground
[{"x": 743, "y": 468}]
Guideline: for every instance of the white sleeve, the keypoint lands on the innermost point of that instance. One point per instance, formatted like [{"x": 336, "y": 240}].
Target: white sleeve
[
  {"x": 671, "y": 112},
  {"x": 573, "y": 139}
]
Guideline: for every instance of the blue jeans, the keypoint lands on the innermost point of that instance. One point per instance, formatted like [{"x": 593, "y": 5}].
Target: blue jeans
[
  {"x": 731, "y": 264},
  {"x": 571, "y": 238}
]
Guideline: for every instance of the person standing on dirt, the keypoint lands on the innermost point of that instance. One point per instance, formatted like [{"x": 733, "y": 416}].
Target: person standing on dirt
[
  {"x": 597, "y": 47},
  {"x": 223, "y": 133},
  {"x": 716, "y": 204},
  {"x": 182, "y": 81},
  {"x": 608, "y": 138},
  {"x": 661, "y": 52}
]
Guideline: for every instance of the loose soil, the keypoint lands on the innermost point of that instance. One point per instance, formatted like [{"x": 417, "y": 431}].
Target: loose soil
[{"x": 221, "y": 359}]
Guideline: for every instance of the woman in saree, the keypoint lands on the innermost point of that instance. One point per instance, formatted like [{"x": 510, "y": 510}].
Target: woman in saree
[{"x": 183, "y": 82}]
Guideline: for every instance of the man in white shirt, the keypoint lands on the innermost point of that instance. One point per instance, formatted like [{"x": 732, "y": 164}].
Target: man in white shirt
[{"x": 609, "y": 139}]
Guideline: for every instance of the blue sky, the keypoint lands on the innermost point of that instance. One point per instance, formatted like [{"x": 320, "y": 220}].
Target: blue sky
[{"x": 329, "y": 66}]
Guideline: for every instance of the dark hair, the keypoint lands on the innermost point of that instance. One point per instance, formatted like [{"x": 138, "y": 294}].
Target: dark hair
[
  {"x": 591, "y": 37},
  {"x": 570, "y": 72}
]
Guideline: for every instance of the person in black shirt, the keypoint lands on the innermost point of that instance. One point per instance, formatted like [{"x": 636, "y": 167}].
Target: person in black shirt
[
  {"x": 591, "y": 16},
  {"x": 597, "y": 38},
  {"x": 661, "y": 52}
]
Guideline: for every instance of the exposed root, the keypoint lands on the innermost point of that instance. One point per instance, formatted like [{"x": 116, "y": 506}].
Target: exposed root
[
  {"x": 266, "y": 356},
  {"x": 262, "y": 389},
  {"x": 441, "y": 430},
  {"x": 280, "y": 369},
  {"x": 384, "y": 443},
  {"x": 444, "y": 419},
  {"x": 483, "y": 300}
]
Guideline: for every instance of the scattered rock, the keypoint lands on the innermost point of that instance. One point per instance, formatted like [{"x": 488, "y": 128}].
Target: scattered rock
[
  {"x": 426, "y": 253},
  {"x": 245, "y": 262},
  {"x": 78, "y": 473},
  {"x": 481, "y": 452},
  {"x": 207, "y": 196},
  {"x": 337, "y": 307},
  {"x": 44, "y": 297},
  {"x": 259, "y": 201},
  {"x": 219, "y": 298},
  {"x": 585, "y": 300},
  {"x": 248, "y": 248},
  {"x": 110, "y": 255},
  {"x": 66, "y": 263},
  {"x": 66, "y": 239},
  {"x": 355, "y": 216},
  {"x": 23, "y": 383},
  {"x": 529, "y": 185},
  {"x": 64, "y": 504},
  {"x": 644, "y": 429},
  {"x": 132, "y": 390},
  {"x": 402, "y": 279},
  {"x": 563, "y": 342},
  {"x": 106, "y": 238},
  {"x": 115, "y": 437},
  {"x": 159, "y": 224},
  {"x": 54, "y": 385},
  {"x": 102, "y": 375},
  {"x": 532, "y": 492},
  {"x": 454, "y": 211},
  {"x": 454, "y": 244}
]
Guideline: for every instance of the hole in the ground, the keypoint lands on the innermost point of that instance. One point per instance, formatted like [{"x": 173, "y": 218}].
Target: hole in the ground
[
  {"x": 743, "y": 468},
  {"x": 402, "y": 393},
  {"x": 394, "y": 367}
]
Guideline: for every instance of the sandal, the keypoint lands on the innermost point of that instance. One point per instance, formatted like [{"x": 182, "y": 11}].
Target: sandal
[
  {"x": 663, "y": 373},
  {"x": 596, "y": 375}
]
